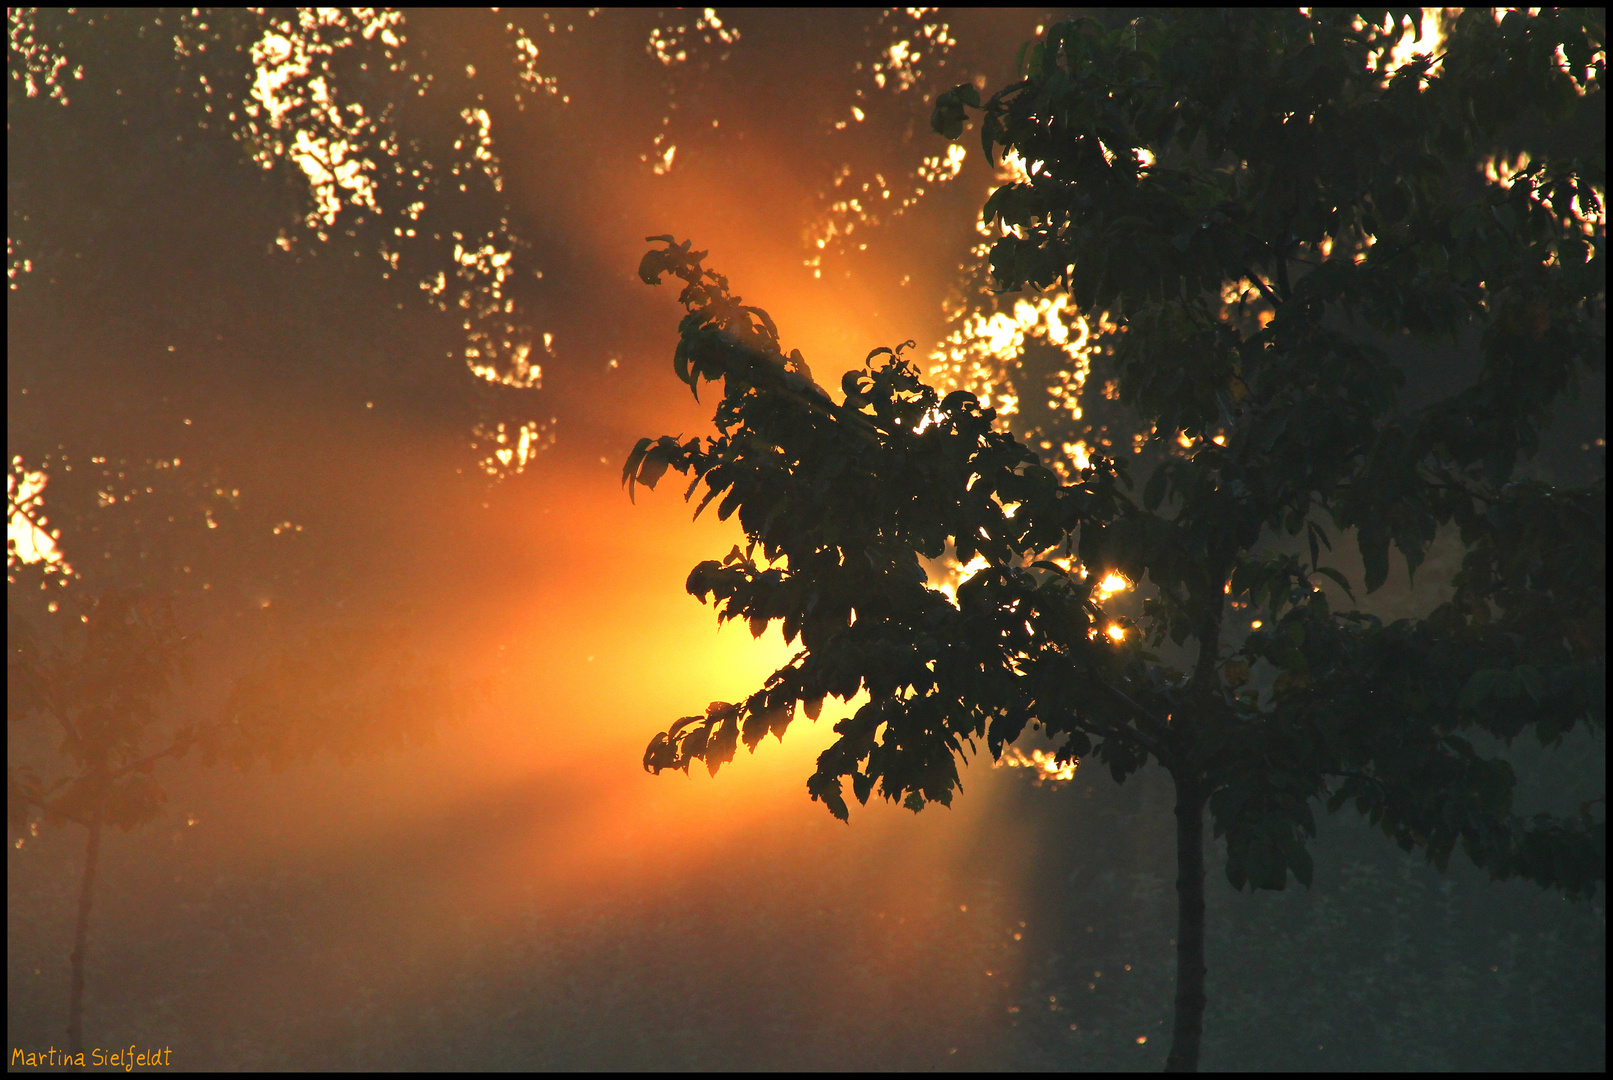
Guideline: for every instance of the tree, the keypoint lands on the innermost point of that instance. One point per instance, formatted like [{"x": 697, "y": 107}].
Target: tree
[
  {"x": 100, "y": 677},
  {"x": 101, "y": 683},
  {"x": 1257, "y": 199}
]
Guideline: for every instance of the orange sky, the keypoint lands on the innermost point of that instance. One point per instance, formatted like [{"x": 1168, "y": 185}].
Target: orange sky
[{"x": 568, "y": 602}]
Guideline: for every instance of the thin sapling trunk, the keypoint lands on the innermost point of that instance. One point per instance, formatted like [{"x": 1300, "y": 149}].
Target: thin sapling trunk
[
  {"x": 81, "y": 937},
  {"x": 1189, "y": 1013}
]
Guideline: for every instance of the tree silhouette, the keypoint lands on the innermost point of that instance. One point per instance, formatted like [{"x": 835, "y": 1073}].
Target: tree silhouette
[
  {"x": 100, "y": 675},
  {"x": 1256, "y": 198},
  {"x": 101, "y": 683}
]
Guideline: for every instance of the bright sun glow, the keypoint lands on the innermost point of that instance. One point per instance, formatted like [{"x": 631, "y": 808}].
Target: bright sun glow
[
  {"x": 1048, "y": 769},
  {"x": 957, "y": 575},
  {"x": 27, "y": 538},
  {"x": 1427, "y": 38},
  {"x": 983, "y": 347},
  {"x": 1110, "y": 585}
]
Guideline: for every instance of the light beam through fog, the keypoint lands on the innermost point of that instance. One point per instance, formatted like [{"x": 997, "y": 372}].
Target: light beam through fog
[
  {"x": 560, "y": 598},
  {"x": 418, "y": 398}
]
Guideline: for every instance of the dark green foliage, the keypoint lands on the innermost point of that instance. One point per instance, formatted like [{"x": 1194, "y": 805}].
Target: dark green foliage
[{"x": 1346, "y": 206}]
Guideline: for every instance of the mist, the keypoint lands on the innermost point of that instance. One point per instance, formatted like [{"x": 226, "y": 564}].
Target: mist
[{"x": 505, "y": 886}]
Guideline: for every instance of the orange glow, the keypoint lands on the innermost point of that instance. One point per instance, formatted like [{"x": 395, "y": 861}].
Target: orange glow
[
  {"x": 1111, "y": 584},
  {"x": 528, "y": 827},
  {"x": 27, "y": 538},
  {"x": 1046, "y": 768}
]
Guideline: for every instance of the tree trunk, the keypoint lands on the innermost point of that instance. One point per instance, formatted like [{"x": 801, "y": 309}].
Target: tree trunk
[
  {"x": 81, "y": 936},
  {"x": 1188, "y": 1025}
]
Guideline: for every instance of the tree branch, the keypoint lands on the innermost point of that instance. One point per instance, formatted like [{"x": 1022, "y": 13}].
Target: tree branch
[
  {"x": 1159, "y": 730},
  {"x": 1126, "y": 735},
  {"x": 1265, "y": 290},
  {"x": 177, "y": 748}
]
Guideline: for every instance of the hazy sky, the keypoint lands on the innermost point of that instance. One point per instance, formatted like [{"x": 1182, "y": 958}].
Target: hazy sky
[
  {"x": 153, "y": 316},
  {"x": 247, "y": 385}
]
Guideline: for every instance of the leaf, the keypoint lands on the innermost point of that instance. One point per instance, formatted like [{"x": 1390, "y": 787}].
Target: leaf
[
  {"x": 1154, "y": 490},
  {"x": 652, "y": 266},
  {"x": 1529, "y": 676},
  {"x": 861, "y": 785},
  {"x": 630, "y": 470},
  {"x": 948, "y": 116},
  {"x": 754, "y": 728},
  {"x": 1038, "y": 59},
  {"x": 779, "y": 717},
  {"x": 1299, "y": 860},
  {"x": 712, "y": 491},
  {"x": 1237, "y": 673},
  {"x": 1338, "y": 579},
  {"x": 719, "y": 750},
  {"x": 1373, "y": 540},
  {"x": 650, "y": 473}
]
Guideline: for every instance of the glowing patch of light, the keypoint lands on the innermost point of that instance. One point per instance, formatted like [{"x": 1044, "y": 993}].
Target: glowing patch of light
[
  {"x": 294, "y": 113},
  {"x": 959, "y": 575},
  {"x": 1425, "y": 39},
  {"x": 982, "y": 348},
  {"x": 843, "y": 215},
  {"x": 16, "y": 265},
  {"x": 1046, "y": 768},
  {"x": 522, "y": 373},
  {"x": 526, "y": 66},
  {"x": 1503, "y": 172},
  {"x": 671, "y": 44},
  {"x": 911, "y": 36},
  {"x": 40, "y": 66},
  {"x": 508, "y": 449},
  {"x": 663, "y": 164},
  {"x": 334, "y": 146},
  {"x": 1110, "y": 585},
  {"x": 1584, "y": 77},
  {"x": 27, "y": 538},
  {"x": 1117, "y": 633},
  {"x": 1012, "y": 169},
  {"x": 938, "y": 168}
]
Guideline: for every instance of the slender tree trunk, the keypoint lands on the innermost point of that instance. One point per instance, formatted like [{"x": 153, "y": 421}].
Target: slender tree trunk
[
  {"x": 81, "y": 938},
  {"x": 1188, "y": 1025}
]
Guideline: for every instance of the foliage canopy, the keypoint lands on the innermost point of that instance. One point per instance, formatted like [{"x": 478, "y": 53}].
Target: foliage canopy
[{"x": 1173, "y": 164}]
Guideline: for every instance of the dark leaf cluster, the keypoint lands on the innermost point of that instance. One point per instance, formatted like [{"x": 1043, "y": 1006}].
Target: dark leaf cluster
[{"x": 1172, "y": 163}]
